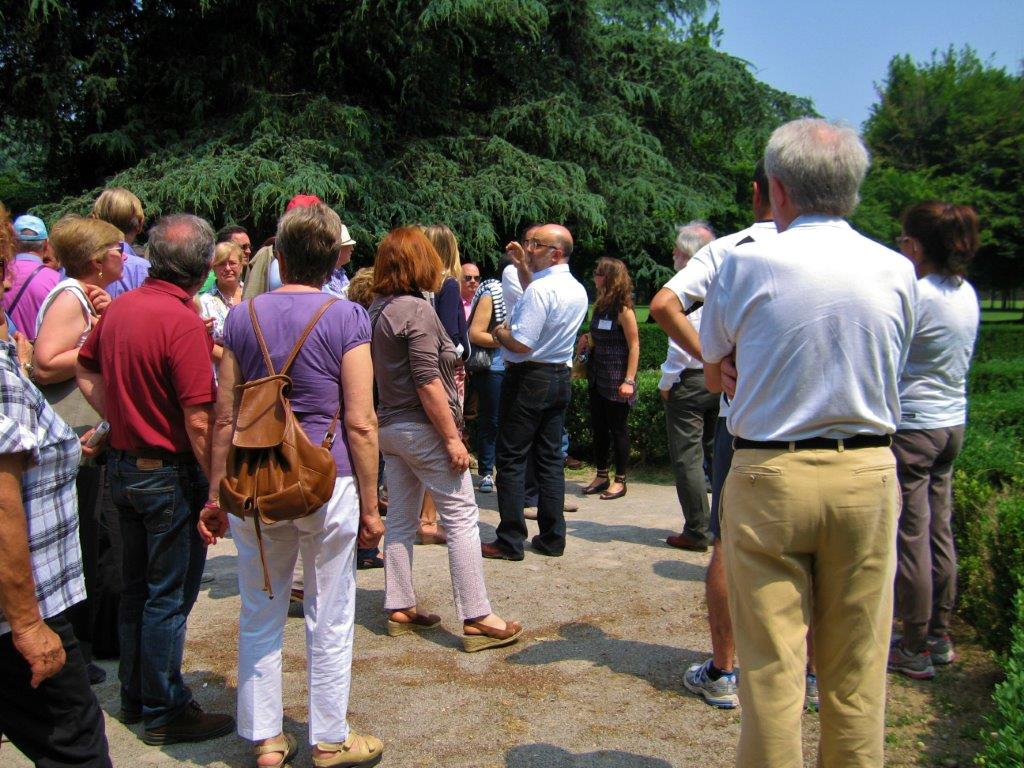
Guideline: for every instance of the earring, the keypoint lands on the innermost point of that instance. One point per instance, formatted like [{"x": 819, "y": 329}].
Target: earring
[{"x": 100, "y": 275}]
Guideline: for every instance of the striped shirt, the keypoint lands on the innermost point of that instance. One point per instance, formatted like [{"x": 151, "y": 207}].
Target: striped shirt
[{"x": 29, "y": 425}]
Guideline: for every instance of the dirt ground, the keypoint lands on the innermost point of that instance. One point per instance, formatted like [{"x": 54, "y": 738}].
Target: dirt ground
[{"x": 596, "y": 680}]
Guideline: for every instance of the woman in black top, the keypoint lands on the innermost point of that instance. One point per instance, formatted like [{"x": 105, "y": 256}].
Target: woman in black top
[{"x": 614, "y": 344}]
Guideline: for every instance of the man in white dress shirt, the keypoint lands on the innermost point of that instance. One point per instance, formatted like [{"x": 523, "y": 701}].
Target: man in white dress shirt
[
  {"x": 538, "y": 341},
  {"x": 819, "y": 320}
]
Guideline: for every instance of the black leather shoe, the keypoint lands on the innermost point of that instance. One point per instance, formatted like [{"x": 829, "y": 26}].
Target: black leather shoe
[
  {"x": 494, "y": 552},
  {"x": 191, "y": 725},
  {"x": 540, "y": 549}
]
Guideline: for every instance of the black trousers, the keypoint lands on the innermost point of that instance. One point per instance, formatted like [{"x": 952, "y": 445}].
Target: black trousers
[
  {"x": 59, "y": 723},
  {"x": 610, "y": 422},
  {"x": 531, "y": 417}
]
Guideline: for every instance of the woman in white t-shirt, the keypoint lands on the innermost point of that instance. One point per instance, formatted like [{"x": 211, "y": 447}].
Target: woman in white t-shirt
[{"x": 940, "y": 239}]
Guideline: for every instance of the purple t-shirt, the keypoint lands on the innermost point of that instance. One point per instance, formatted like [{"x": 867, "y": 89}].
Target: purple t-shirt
[{"x": 316, "y": 372}]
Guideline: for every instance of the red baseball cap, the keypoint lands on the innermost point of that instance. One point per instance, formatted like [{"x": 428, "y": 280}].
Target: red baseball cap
[{"x": 302, "y": 201}]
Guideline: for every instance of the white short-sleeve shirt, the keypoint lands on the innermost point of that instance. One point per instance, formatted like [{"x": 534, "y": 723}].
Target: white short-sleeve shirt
[
  {"x": 820, "y": 318},
  {"x": 548, "y": 316},
  {"x": 934, "y": 383},
  {"x": 690, "y": 285}
]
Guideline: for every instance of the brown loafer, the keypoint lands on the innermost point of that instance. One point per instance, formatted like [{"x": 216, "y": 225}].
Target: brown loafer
[
  {"x": 682, "y": 541},
  {"x": 489, "y": 637},
  {"x": 494, "y": 552}
]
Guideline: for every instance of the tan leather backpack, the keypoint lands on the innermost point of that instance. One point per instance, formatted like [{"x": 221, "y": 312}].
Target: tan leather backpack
[{"x": 274, "y": 472}]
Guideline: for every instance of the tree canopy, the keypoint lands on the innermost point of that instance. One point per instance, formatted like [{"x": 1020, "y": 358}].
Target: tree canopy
[
  {"x": 951, "y": 128},
  {"x": 616, "y": 117}
]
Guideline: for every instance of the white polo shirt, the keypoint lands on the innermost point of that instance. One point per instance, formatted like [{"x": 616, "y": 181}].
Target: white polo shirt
[
  {"x": 548, "y": 316},
  {"x": 821, "y": 320},
  {"x": 690, "y": 285},
  {"x": 934, "y": 383}
]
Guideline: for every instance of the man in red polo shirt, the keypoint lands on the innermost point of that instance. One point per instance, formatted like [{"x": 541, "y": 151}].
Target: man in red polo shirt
[{"x": 146, "y": 367}]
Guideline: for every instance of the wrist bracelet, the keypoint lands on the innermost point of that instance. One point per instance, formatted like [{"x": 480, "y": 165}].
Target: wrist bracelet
[
  {"x": 631, "y": 382},
  {"x": 212, "y": 505}
]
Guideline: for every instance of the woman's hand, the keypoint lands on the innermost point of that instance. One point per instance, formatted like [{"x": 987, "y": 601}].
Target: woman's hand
[
  {"x": 582, "y": 344},
  {"x": 92, "y": 451},
  {"x": 23, "y": 347},
  {"x": 371, "y": 528},
  {"x": 458, "y": 456},
  {"x": 98, "y": 297},
  {"x": 213, "y": 522},
  {"x": 627, "y": 390}
]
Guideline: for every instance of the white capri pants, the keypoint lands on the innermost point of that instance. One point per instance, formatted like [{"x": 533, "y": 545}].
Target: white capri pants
[{"x": 327, "y": 542}]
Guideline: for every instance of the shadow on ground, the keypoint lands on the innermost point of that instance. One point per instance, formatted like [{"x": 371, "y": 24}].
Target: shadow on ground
[
  {"x": 548, "y": 756},
  {"x": 658, "y": 665}
]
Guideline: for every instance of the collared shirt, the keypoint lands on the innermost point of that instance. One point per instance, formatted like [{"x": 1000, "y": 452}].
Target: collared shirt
[
  {"x": 337, "y": 283},
  {"x": 153, "y": 351},
  {"x": 548, "y": 316},
  {"x": 213, "y": 303},
  {"x": 133, "y": 273},
  {"x": 29, "y": 425},
  {"x": 690, "y": 285},
  {"x": 24, "y": 314},
  {"x": 821, "y": 320},
  {"x": 467, "y": 305}
]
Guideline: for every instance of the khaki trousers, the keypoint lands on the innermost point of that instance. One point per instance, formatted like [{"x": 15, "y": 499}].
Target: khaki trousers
[{"x": 811, "y": 533}]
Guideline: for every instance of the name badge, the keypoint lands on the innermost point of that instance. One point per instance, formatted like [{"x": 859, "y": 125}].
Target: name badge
[{"x": 604, "y": 325}]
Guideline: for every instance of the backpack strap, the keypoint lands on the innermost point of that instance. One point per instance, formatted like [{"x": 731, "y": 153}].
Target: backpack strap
[{"x": 24, "y": 285}]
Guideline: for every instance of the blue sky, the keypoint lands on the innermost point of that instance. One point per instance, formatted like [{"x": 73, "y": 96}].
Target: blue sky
[{"x": 836, "y": 52}]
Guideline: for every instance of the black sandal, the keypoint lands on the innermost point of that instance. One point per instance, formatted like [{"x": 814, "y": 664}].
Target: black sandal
[
  {"x": 597, "y": 486},
  {"x": 618, "y": 494},
  {"x": 370, "y": 561}
]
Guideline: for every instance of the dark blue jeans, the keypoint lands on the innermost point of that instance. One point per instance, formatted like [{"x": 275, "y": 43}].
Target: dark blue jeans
[
  {"x": 532, "y": 414},
  {"x": 488, "y": 389},
  {"x": 163, "y": 563}
]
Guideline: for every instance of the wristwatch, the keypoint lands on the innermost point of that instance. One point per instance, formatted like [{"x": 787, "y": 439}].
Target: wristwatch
[
  {"x": 29, "y": 369},
  {"x": 631, "y": 382}
]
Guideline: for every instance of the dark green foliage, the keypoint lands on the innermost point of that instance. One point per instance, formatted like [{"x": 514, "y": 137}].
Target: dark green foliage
[
  {"x": 653, "y": 346},
  {"x": 988, "y": 487},
  {"x": 616, "y": 117},
  {"x": 1000, "y": 341},
  {"x": 953, "y": 129},
  {"x": 1004, "y": 736}
]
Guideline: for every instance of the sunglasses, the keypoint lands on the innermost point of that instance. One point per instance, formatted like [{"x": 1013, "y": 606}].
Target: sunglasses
[{"x": 471, "y": 278}]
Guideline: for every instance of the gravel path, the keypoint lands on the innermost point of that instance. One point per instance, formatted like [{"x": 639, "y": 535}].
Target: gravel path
[{"x": 596, "y": 680}]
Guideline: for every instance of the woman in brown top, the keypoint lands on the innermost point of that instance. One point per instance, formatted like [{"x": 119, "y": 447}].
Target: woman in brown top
[{"x": 419, "y": 419}]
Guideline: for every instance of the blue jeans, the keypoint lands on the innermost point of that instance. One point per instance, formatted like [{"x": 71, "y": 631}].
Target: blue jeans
[
  {"x": 488, "y": 388},
  {"x": 533, "y": 403},
  {"x": 163, "y": 563}
]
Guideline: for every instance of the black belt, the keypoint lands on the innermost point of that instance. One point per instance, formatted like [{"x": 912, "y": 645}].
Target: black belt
[
  {"x": 857, "y": 441},
  {"x": 527, "y": 364}
]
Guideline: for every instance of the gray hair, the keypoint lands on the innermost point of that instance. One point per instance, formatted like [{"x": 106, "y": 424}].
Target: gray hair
[
  {"x": 180, "y": 250},
  {"x": 821, "y": 165},
  {"x": 691, "y": 237}
]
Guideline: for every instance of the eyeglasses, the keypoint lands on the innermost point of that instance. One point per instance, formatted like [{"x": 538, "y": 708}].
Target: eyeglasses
[
  {"x": 471, "y": 278},
  {"x": 901, "y": 239},
  {"x": 531, "y": 243}
]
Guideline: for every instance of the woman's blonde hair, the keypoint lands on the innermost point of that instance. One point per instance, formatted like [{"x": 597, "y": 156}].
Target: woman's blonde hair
[
  {"x": 360, "y": 287},
  {"x": 225, "y": 251},
  {"x": 121, "y": 208},
  {"x": 447, "y": 247},
  {"x": 77, "y": 241}
]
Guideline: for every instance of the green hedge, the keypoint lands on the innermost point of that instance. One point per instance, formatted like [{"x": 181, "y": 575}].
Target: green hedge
[
  {"x": 995, "y": 376},
  {"x": 1004, "y": 734},
  {"x": 999, "y": 341}
]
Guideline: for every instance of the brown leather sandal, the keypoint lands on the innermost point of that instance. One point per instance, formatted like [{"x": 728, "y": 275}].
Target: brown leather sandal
[
  {"x": 416, "y": 622},
  {"x": 599, "y": 484},
  {"x": 489, "y": 637}
]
